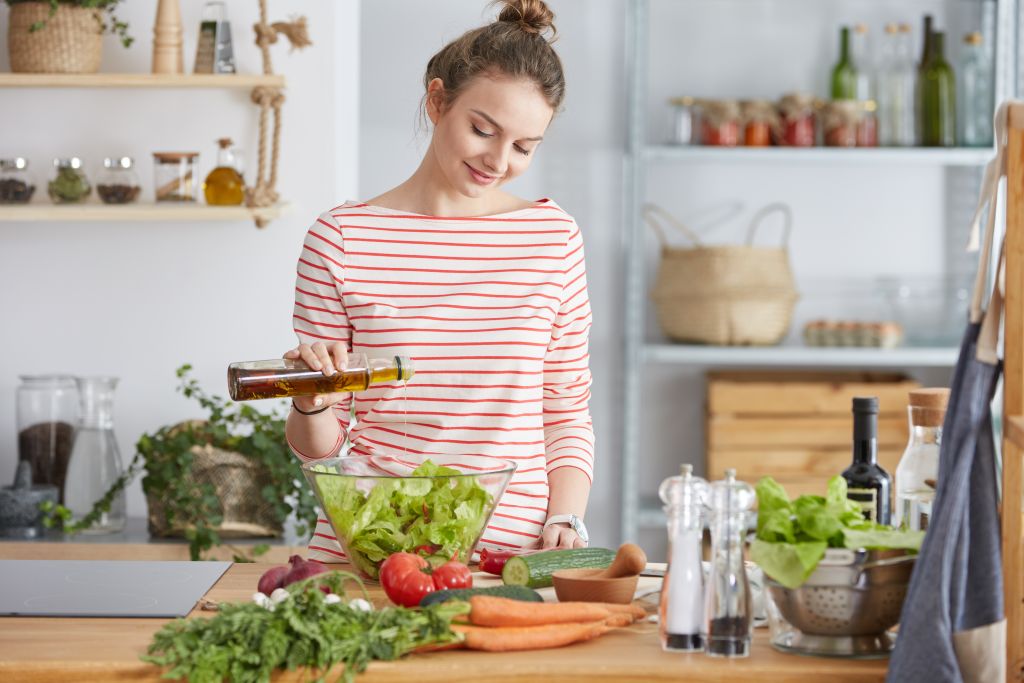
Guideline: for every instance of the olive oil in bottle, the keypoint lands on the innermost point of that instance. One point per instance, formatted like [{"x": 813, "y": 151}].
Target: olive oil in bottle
[
  {"x": 281, "y": 377},
  {"x": 224, "y": 185},
  {"x": 867, "y": 483}
]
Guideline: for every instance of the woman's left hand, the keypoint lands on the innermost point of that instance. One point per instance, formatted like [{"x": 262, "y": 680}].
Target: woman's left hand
[{"x": 560, "y": 536}]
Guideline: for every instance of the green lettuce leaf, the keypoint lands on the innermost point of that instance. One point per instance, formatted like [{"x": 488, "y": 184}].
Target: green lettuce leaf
[{"x": 788, "y": 563}]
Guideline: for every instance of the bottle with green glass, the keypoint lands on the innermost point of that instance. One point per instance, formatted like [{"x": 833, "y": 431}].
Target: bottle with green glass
[
  {"x": 844, "y": 73},
  {"x": 938, "y": 98}
]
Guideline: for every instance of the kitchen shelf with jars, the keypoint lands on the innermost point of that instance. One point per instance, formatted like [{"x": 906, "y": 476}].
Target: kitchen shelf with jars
[
  {"x": 59, "y": 48},
  {"x": 828, "y": 118}
]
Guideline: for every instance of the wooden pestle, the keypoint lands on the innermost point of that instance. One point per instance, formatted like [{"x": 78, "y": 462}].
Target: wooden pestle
[{"x": 630, "y": 560}]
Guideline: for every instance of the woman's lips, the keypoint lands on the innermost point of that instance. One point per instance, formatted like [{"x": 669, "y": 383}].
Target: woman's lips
[{"x": 478, "y": 177}]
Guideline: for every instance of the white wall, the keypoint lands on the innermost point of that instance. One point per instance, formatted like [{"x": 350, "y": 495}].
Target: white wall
[{"x": 138, "y": 300}]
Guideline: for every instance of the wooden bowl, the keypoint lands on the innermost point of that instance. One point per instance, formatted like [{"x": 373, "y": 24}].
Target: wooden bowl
[{"x": 578, "y": 585}]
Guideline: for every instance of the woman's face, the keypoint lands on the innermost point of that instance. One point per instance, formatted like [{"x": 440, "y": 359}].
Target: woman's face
[{"x": 489, "y": 134}]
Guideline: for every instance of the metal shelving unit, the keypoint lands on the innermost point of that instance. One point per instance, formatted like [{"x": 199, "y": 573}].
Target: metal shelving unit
[{"x": 962, "y": 173}]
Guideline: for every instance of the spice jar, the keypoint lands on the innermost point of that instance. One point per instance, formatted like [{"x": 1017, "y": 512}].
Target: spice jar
[
  {"x": 118, "y": 184},
  {"x": 760, "y": 120},
  {"x": 69, "y": 184},
  {"x": 867, "y": 127},
  {"x": 15, "y": 183},
  {"x": 685, "y": 121},
  {"x": 797, "y": 120},
  {"x": 840, "y": 119},
  {"x": 720, "y": 123},
  {"x": 175, "y": 175}
]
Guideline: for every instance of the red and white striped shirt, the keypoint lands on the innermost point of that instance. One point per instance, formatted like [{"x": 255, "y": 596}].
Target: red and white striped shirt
[{"x": 493, "y": 311}]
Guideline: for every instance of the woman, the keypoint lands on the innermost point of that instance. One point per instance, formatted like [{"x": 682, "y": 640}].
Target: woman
[{"x": 485, "y": 291}]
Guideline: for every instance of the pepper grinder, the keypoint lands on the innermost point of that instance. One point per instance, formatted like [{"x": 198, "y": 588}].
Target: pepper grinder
[
  {"x": 727, "y": 610},
  {"x": 681, "y": 610},
  {"x": 168, "y": 55}
]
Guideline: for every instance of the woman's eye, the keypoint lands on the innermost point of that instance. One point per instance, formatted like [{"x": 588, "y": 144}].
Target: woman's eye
[
  {"x": 481, "y": 133},
  {"x": 521, "y": 150}
]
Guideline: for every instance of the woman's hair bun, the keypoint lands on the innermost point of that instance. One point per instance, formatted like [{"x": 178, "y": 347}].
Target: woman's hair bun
[{"x": 533, "y": 16}]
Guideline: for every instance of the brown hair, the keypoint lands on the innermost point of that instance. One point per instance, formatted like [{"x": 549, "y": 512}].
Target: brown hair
[{"x": 514, "y": 45}]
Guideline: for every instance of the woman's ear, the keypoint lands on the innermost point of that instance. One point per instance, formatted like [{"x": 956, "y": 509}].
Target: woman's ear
[{"x": 435, "y": 100}]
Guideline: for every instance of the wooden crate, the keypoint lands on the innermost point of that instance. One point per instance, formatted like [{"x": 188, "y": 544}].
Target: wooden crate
[{"x": 797, "y": 426}]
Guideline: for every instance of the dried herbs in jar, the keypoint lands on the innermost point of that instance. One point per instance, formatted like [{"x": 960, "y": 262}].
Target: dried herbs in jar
[{"x": 70, "y": 185}]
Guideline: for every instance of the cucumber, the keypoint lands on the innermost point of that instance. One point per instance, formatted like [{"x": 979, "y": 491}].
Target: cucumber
[
  {"x": 511, "y": 592},
  {"x": 534, "y": 571}
]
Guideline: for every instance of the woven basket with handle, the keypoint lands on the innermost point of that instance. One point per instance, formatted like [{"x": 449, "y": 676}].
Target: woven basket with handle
[
  {"x": 238, "y": 482},
  {"x": 70, "y": 42},
  {"x": 724, "y": 295}
]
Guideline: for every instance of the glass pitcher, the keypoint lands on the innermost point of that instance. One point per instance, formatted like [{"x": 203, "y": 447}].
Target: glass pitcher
[{"x": 95, "y": 459}]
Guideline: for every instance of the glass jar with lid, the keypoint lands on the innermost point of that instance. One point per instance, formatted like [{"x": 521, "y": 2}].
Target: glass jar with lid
[
  {"x": 69, "y": 185},
  {"x": 685, "y": 121},
  {"x": 720, "y": 123},
  {"x": 841, "y": 120},
  {"x": 760, "y": 122},
  {"x": 119, "y": 183},
  {"x": 175, "y": 176},
  {"x": 16, "y": 186},
  {"x": 798, "y": 121}
]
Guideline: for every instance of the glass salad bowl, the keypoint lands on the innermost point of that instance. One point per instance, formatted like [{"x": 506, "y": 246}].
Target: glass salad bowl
[{"x": 436, "y": 505}]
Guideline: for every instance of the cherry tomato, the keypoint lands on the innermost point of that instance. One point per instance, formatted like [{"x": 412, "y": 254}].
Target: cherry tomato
[
  {"x": 452, "y": 574},
  {"x": 406, "y": 579}
]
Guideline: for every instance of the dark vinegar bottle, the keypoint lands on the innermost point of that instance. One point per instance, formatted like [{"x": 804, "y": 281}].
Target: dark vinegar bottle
[{"x": 867, "y": 483}]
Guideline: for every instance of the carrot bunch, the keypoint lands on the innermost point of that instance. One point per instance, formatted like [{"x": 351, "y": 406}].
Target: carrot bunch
[{"x": 503, "y": 625}]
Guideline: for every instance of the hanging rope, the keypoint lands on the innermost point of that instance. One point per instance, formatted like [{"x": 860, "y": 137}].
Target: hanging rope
[{"x": 269, "y": 99}]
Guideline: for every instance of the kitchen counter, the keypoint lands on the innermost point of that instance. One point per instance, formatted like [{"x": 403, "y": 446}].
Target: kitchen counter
[{"x": 84, "y": 650}]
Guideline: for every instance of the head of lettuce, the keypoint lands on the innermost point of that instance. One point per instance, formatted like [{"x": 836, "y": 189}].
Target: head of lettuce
[{"x": 792, "y": 536}]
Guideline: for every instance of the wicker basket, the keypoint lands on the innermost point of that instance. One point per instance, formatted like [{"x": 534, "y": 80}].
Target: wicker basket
[
  {"x": 70, "y": 42},
  {"x": 724, "y": 295},
  {"x": 239, "y": 482}
]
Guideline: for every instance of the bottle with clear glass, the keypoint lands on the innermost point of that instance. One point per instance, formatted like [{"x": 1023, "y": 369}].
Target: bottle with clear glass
[
  {"x": 937, "y": 90},
  {"x": 681, "y": 610},
  {"x": 918, "y": 471},
  {"x": 224, "y": 185},
  {"x": 214, "y": 51},
  {"x": 95, "y": 462},
  {"x": 897, "y": 76},
  {"x": 860, "y": 50},
  {"x": 284, "y": 377},
  {"x": 976, "y": 97},
  {"x": 728, "y": 615}
]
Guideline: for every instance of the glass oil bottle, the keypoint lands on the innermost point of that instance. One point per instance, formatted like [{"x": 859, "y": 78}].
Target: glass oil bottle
[
  {"x": 681, "y": 611},
  {"x": 284, "y": 377},
  {"x": 224, "y": 185}
]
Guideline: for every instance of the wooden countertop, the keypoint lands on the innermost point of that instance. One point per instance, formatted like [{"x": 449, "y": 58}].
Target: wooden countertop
[{"x": 86, "y": 650}]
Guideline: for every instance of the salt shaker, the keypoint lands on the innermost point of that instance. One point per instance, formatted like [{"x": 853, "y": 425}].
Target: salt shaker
[
  {"x": 728, "y": 614},
  {"x": 681, "y": 612}
]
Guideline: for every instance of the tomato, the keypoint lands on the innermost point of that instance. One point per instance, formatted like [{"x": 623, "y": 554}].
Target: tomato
[
  {"x": 452, "y": 575},
  {"x": 406, "y": 578}
]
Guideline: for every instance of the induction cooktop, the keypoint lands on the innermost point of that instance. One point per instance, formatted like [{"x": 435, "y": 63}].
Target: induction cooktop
[{"x": 102, "y": 588}]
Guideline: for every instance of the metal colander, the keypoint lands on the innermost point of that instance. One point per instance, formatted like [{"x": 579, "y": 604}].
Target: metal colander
[{"x": 851, "y": 593}]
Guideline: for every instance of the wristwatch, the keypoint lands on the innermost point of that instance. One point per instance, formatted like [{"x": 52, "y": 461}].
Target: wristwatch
[{"x": 574, "y": 522}]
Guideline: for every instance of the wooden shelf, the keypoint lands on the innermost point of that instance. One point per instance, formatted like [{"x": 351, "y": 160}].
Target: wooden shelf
[
  {"x": 919, "y": 156},
  {"x": 139, "y": 80},
  {"x": 801, "y": 356},
  {"x": 136, "y": 213}
]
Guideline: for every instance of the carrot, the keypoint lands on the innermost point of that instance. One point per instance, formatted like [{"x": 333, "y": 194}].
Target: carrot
[
  {"x": 513, "y": 638},
  {"x": 618, "y": 619},
  {"x": 486, "y": 610},
  {"x": 636, "y": 611}
]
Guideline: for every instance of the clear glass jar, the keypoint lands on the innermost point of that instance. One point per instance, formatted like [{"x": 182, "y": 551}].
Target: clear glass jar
[
  {"x": 797, "y": 125},
  {"x": 720, "y": 123},
  {"x": 47, "y": 413},
  {"x": 70, "y": 185},
  {"x": 918, "y": 471},
  {"x": 16, "y": 186},
  {"x": 760, "y": 121},
  {"x": 685, "y": 121},
  {"x": 840, "y": 120},
  {"x": 95, "y": 462},
  {"x": 175, "y": 176},
  {"x": 118, "y": 183}
]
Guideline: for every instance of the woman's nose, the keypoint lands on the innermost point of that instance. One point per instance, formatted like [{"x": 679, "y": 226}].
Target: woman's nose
[{"x": 496, "y": 161}]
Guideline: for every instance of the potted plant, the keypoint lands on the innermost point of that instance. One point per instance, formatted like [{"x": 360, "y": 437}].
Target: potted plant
[
  {"x": 229, "y": 475},
  {"x": 61, "y": 36}
]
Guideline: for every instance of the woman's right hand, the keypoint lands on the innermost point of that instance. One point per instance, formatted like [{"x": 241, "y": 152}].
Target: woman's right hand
[{"x": 329, "y": 359}]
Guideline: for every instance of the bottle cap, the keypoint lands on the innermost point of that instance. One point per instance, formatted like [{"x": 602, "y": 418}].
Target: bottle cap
[
  {"x": 862, "y": 404},
  {"x": 860, "y": 28},
  {"x": 224, "y": 143},
  {"x": 891, "y": 28},
  {"x": 684, "y": 489},
  {"x": 14, "y": 163},
  {"x": 69, "y": 162},
  {"x": 928, "y": 406},
  {"x": 974, "y": 38},
  {"x": 685, "y": 101},
  {"x": 904, "y": 28},
  {"x": 118, "y": 162}
]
